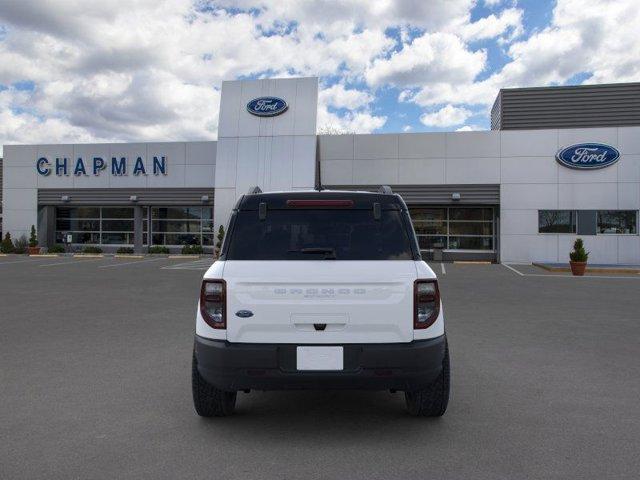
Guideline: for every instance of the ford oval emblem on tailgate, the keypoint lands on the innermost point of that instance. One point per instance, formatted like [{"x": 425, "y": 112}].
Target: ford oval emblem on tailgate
[{"x": 244, "y": 313}]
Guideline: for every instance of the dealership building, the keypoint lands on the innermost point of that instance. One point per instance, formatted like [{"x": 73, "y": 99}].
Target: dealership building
[{"x": 558, "y": 163}]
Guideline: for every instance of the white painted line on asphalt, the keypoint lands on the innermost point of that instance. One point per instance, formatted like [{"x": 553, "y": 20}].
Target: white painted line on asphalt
[
  {"x": 130, "y": 263},
  {"x": 444, "y": 272},
  {"x": 202, "y": 264},
  {"x": 513, "y": 270},
  {"x": 31, "y": 260},
  {"x": 72, "y": 262},
  {"x": 551, "y": 275}
]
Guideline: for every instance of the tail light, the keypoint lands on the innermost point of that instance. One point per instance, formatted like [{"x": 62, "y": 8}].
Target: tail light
[
  {"x": 426, "y": 303},
  {"x": 213, "y": 303},
  {"x": 319, "y": 203}
]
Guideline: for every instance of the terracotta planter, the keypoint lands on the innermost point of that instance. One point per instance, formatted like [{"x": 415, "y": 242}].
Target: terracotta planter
[
  {"x": 33, "y": 250},
  {"x": 578, "y": 268}
]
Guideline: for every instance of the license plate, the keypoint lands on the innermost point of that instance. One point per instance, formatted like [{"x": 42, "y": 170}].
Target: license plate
[{"x": 320, "y": 358}]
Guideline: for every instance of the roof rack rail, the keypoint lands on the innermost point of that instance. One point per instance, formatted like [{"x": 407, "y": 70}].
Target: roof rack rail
[
  {"x": 254, "y": 190},
  {"x": 385, "y": 189}
]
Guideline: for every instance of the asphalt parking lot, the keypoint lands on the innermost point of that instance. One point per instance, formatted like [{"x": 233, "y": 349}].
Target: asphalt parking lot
[{"x": 95, "y": 383}]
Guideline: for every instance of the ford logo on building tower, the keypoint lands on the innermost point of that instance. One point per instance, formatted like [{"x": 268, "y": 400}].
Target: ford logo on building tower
[
  {"x": 267, "y": 106},
  {"x": 588, "y": 156}
]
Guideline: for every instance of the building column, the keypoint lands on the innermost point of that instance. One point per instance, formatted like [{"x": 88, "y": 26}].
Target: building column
[
  {"x": 138, "y": 215},
  {"x": 46, "y": 227}
]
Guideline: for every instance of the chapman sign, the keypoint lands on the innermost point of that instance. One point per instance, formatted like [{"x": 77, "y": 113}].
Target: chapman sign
[
  {"x": 118, "y": 166},
  {"x": 588, "y": 156},
  {"x": 267, "y": 106}
]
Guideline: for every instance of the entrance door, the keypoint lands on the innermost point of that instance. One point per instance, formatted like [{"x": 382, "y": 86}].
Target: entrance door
[{"x": 462, "y": 232}]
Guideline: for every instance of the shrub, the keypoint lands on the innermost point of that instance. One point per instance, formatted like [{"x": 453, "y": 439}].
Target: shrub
[
  {"x": 158, "y": 249},
  {"x": 33, "y": 238},
  {"x": 57, "y": 248},
  {"x": 579, "y": 254},
  {"x": 192, "y": 250},
  {"x": 91, "y": 249},
  {"x": 125, "y": 250},
  {"x": 7, "y": 244},
  {"x": 20, "y": 245}
]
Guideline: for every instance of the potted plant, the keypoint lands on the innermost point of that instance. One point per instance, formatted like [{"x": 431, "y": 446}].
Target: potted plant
[
  {"x": 33, "y": 249},
  {"x": 578, "y": 258}
]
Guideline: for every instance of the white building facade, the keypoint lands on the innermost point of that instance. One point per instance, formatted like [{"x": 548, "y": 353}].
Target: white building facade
[{"x": 501, "y": 195}]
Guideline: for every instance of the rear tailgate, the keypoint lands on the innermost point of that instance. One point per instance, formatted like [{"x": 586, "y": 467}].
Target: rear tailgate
[{"x": 290, "y": 301}]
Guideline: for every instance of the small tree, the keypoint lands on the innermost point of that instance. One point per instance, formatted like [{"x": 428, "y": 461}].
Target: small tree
[
  {"x": 20, "y": 245},
  {"x": 7, "y": 244},
  {"x": 33, "y": 237},
  {"x": 220, "y": 238},
  {"x": 579, "y": 254}
]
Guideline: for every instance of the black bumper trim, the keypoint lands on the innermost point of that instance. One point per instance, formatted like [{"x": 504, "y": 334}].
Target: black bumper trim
[{"x": 371, "y": 366}]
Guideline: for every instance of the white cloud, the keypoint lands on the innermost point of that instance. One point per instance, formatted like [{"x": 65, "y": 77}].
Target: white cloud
[
  {"x": 407, "y": 128},
  {"x": 447, "y": 116},
  {"x": 469, "y": 128},
  {"x": 439, "y": 56},
  {"x": 151, "y": 71},
  {"x": 340, "y": 97},
  {"x": 509, "y": 22},
  {"x": 597, "y": 38},
  {"x": 351, "y": 122}
]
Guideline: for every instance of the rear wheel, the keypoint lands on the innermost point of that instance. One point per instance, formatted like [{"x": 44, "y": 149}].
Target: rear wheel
[
  {"x": 431, "y": 401},
  {"x": 207, "y": 399}
]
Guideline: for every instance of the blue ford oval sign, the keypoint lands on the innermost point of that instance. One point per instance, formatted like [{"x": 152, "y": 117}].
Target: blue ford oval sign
[
  {"x": 267, "y": 106},
  {"x": 588, "y": 156}
]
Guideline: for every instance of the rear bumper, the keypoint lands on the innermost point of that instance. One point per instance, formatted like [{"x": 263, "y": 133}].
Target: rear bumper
[{"x": 241, "y": 366}]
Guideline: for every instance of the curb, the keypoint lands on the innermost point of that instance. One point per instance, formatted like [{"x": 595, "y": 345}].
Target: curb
[
  {"x": 45, "y": 255},
  {"x": 127, "y": 255},
  {"x": 88, "y": 255},
  {"x": 588, "y": 270},
  {"x": 184, "y": 256}
]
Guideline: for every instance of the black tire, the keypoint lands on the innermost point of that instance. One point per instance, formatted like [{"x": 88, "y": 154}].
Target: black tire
[
  {"x": 433, "y": 400},
  {"x": 207, "y": 399}
]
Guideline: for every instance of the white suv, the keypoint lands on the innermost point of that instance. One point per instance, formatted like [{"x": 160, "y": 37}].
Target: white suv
[{"x": 320, "y": 290}]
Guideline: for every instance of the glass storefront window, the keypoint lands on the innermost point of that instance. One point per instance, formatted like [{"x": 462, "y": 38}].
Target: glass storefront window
[
  {"x": 96, "y": 225},
  {"x": 453, "y": 228},
  {"x": 471, "y": 243},
  {"x": 556, "y": 221},
  {"x": 465, "y": 213},
  {"x": 78, "y": 212},
  {"x": 471, "y": 228},
  {"x": 187, "y": 225},
  {"x": 618, "y": 221}
]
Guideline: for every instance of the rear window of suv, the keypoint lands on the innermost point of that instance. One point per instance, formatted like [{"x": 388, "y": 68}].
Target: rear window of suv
[{"x": 320, "y": 234}]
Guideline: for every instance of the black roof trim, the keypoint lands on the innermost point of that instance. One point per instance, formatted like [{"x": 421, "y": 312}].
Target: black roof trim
[{"x": 361, "y": 200}]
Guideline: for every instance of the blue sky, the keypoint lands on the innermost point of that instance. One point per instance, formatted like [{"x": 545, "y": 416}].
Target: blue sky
[{"x": 77, "y": 71}]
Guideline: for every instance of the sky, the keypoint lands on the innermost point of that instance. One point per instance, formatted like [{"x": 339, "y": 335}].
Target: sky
[{"x": 77, "y": 71}]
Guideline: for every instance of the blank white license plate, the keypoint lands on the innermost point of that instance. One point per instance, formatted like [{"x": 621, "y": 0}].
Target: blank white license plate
[{"x": 320, "y": 358}]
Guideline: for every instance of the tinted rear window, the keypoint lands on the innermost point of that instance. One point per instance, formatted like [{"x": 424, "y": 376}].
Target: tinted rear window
[{"x": 319, "y": 234}]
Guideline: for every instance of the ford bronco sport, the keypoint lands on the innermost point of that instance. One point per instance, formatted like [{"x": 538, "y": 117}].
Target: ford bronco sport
[{"x": 320, "y": 290}]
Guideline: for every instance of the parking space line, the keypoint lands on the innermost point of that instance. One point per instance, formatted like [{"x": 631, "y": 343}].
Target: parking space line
[
  {"x": 72, "y": 262},
  {"x": 130, "y": 263},
  {"x": 444, "y": 272},
  {"x": 30, "y": 260},
  {"x": 551, "y": 275},
  {"x": 202, "y": 264},
  {"x": 513, "y": 269}
]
